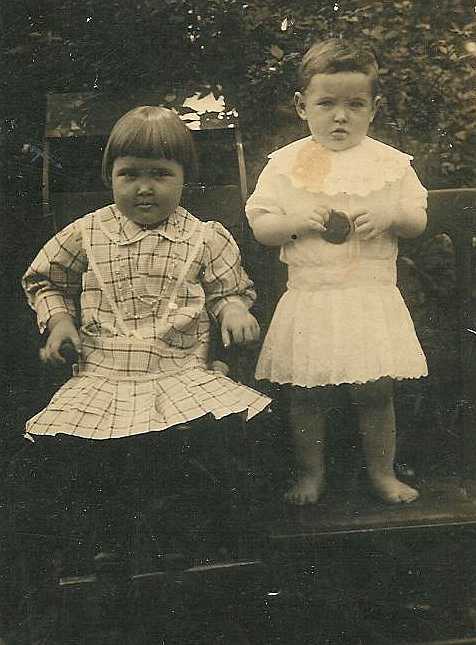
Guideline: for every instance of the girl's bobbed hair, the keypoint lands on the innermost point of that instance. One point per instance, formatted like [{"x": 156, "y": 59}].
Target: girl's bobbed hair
[
  {"x": 336, "y": 55},
  {"x": 151, "y": 132}
]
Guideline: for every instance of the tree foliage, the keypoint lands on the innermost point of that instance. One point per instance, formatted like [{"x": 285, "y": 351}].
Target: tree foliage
[{"x": 426, "y": 49}]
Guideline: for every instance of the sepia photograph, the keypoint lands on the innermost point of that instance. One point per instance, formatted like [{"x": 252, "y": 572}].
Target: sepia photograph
[{"x": 238, "y": 295}]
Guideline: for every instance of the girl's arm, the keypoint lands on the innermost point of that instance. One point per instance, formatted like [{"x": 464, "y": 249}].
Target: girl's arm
[
  {"x": 52, "y": 283},
  {"x": 229, "y": 292},
  {"x": 270, "y": 224},
  {"x": 408, "y": 219},
  {"x": 411, "y": 219}
]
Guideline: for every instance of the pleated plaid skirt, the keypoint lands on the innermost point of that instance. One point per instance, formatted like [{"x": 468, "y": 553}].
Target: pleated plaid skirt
[{"x": 126, "y": 387}]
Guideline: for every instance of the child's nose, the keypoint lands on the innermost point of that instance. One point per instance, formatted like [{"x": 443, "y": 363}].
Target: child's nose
[
  {"x": 144, "y": 187},
  {"x": 340, "y": 114}
]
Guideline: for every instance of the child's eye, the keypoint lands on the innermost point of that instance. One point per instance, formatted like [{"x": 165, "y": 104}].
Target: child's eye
[
  {"x": 357, "y": 104},
  {"x": 324, "y": 103}
]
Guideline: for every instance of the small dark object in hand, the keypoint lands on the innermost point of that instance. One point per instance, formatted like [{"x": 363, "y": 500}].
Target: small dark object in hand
[
  {"x": 68, "y": 352},
  {"x": 338, "y": 227}
]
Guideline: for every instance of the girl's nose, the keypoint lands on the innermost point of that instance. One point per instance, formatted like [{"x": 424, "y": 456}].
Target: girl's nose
[
  {"x": 144, "y": 188},
  {"x": 340, "y": 115}
]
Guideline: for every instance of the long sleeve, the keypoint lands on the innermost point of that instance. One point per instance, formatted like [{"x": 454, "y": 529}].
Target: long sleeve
[
  {"x": 53, "y": 280},
  {"x": 224, "y": 279}
]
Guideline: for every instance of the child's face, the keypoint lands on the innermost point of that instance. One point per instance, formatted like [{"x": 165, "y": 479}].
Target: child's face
[
  {"x": 147, "y": 191},
  {"x": 338, "y": 108}
]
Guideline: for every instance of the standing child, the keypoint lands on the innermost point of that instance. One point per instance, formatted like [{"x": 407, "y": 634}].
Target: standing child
[
  {"x": 336, "y": 203},
  {"x": 149, "y": 277}
]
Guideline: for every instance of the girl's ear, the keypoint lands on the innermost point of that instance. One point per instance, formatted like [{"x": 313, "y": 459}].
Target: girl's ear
[
  {"x": 300, "y": 105},
  {"x": 376, "y": 106}
]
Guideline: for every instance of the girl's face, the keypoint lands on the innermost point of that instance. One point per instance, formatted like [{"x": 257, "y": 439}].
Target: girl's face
[
  {"x": 147, "y": 191},
  {"x": 338, "y": 108}
]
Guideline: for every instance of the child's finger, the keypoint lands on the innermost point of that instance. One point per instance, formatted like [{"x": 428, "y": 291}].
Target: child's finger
[
  {"x": 317, "y": 225},
  {"x": 356, "y": 214},
  {"x": 249, "y": 334},
  {"x": 76, "y": 343},
  {"x": 367, "y": 233},
  {"x": 361, "y": 219},
  {"x": 50, "y": 354},
  {"x": 322, "y": 214},
  {"x": 363, "y": 225},
  {"x": 238, "y": 334},
  {"x": 225, "y": 336}
]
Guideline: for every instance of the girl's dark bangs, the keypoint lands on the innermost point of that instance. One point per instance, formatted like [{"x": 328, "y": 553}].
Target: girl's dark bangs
[{"x": 144, "y": 141}]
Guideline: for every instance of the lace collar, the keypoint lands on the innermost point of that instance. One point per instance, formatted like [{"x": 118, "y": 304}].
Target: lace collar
[{"x": 360, "y": 170}]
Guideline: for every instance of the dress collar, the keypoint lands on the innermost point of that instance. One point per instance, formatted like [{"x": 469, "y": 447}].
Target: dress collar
[
  {"x": 359, "y": 170},
  {"x": 122, "y": 230}
]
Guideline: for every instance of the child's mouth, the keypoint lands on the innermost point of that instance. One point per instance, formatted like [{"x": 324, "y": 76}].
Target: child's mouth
[{"x": 339, "y": 133}]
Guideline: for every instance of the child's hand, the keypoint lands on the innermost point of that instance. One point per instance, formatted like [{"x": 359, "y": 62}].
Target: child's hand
[
  {"x": 238, "y": 325},
  {"x": 369, "y": 225},
  {"x": 316, "y": 220},
  {"x": 62, "y": 328}
]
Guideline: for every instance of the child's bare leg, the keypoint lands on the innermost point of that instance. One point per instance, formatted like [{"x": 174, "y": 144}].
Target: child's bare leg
[
  {"x": 308, "y": 427},
  {"x": 377, "y": 428}
]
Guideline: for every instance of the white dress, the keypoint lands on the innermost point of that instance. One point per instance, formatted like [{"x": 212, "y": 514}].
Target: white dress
[{"x": 342, "y": 318}]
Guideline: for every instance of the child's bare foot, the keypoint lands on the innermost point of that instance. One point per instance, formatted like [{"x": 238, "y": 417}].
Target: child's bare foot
[
  {"x": 306, "y": 490},
  {"x": 393, "y": 491}
]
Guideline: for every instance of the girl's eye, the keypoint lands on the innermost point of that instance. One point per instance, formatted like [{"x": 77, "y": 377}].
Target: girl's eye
[
  {"x": 357, "y": 104},
  {"x": 325, "y": 103}
]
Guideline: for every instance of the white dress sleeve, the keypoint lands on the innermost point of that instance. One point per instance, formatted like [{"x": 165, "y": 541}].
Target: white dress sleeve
[
  {"x": 266, "y": 198},
  {"x": 413, "y": 195}
]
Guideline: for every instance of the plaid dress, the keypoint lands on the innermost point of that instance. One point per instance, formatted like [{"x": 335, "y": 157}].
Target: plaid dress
[{"x": 146, "y": 298}]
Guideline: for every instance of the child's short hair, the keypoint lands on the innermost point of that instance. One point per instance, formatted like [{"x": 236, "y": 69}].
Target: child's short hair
[
  {"x": 150, "y": 131},
  {"x": 335, "y": 55}
]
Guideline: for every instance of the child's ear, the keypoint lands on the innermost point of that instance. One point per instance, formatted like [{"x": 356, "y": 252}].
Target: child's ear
[
  {"x": 376, "y": 105},
  {"x": 300, "y": 105}
]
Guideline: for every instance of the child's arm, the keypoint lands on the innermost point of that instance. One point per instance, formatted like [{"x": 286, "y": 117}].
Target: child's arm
[
  {"x": 270, "y": 224},
  {"x": 411, "y": 220},
  {"x": 228, "y": 290},
  {"x": 408, "y": 220},
  {"x": 52, "y": 283}
]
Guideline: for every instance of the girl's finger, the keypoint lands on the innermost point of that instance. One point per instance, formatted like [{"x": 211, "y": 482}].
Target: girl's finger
[
  {"x": 77, "y": 344},
  {"x": 56, "y": 356},
  {"x": 317, "y": 226},
  {"x": 255, "y": 331},
  {"x": 322, "y": 214},
  {"x": 249, "y": 335},
  {"x": 239, "y": 335},
  {"x": 361, "y": 219},
  {"x": 354, "y": 216},
  {"x": 225, "y": 337},
  {"x": 364, "y": 230},
  {"x": 362, "y": 224}
]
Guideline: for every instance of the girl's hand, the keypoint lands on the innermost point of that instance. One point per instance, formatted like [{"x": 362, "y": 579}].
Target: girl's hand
[
  {"x": 238, "y": 325},
  {"x": 369, "y": 225},
  {"x": 314, "y": 221},
  {"x": 61, "y": 328}
]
